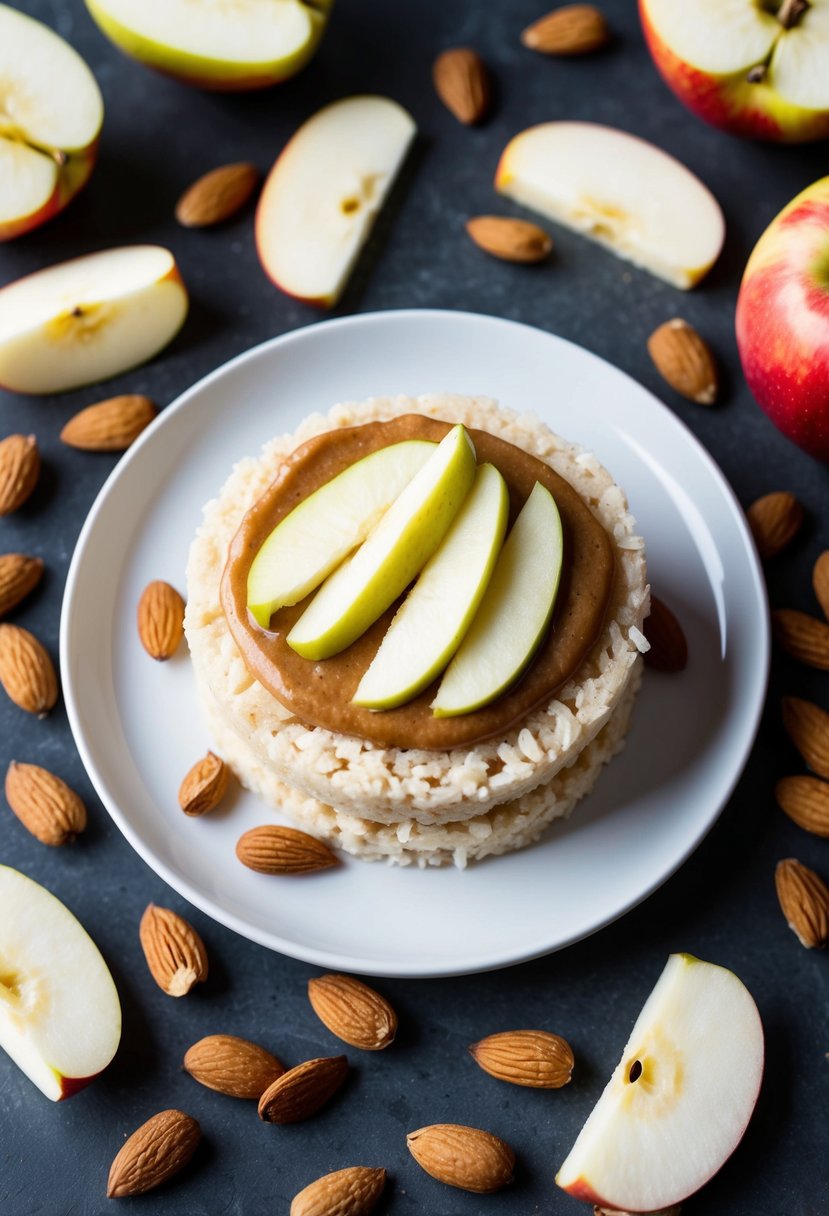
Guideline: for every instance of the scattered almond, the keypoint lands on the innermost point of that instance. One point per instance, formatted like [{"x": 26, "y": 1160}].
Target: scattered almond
[
  {"x": 44, "y": 804},
  {"x": 668, "y": 647},
  {"x": 775, "y": 520},
  {"x": 109, "y": 426},
  {"x": 350, "y": 1192},
  {"x": 204, "y": 786},
  {"x": 462, "y": 83},
  {"x": 464, "y": 1157},
  {"x": 276, "y": 850},
  {"x": 575, "y": 29},
  {"x": 19, "y": 471},
  {"x": 217, "y": 195},
  {"x": 820, "y": 582},
  {"x": 509, "y": 239},
  {"x": 685, "y": 360},
  {"x": 534, "y": 1058},
  {"x": 19, "y": 575},
  {"x": 232, "y": 1066},
  {"x": 160, "y": 620},
  {"x": 155, "y": 1152},
  {"x": 174, "y": 951},
  {"x": 804, "y": 899},
  {"x": 804, "y": 637},
  {"x": 807, "y": 726},
  {"x": 353, "y": 1012},
  {"x": 26, "y": 671},
  {"x": 302, "y": 1091},
  {"x": 806, "y": 801}
]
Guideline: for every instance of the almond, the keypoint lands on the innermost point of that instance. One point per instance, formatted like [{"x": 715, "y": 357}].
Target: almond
[
  {"x": 158, "y": 1149},
  {"x": 464, "y": 1157},
  {"x": 174, "y": 951},
  {"x": 775, "y": 520},
  {"x": 668, "y": 647},
  {"x": 19, "y": 575},
  {"x": 803, "y": 637},
  {"x": 350, "y": 1192},
  {"x": 302, "y": 1091},
  {"x": 160, "y": 620},
  {"x": 217, "y": 195},
  {"x": 534, "y": 1058},
  {"x": 575, "y": 29},
  {"x": 204, "y": 786},
  {"x": 804, "y": 899},
  {"x": 685, "y": 360},
  {"x": 232, "y": 1066},
  {"x": 807, "y": 726},
  {"x": 462, "y": 83},
  {"x": 44, "y": 804},
  {"x": 109, "y": 426},
  {"x": 19, "y": 471},
  {"x": 277, "y": 850},
  {"x": 26, "y": 671},
  {"x": 509, "y": 239},
  {"x": 353, "y": 1012},
  {"x": 806, "y": 801},
  {"x": 820, "y": 582}
]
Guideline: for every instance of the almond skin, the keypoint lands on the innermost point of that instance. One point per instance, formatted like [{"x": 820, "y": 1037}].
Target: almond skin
[
  {"x": 353, "y": 1012},
  {"x": 276, "y": 850},
  {"x": 669, "y": 649},
  {"x": 302, "y": 1091},
  {"x": 575, "y": 29},
  {"x": 803, "y": 637},
  {"x": 775, "y": 520},
  {"x": 807, "y": 726},
  {"x": 44, "y": 804},
  {"x": 806, "y": 801},
  {"x": 217, "y": 195},
  {"x": 204, "y": 786},
  {"x": 463, "y": 1157},
  {"x": 232, "y": 1066},
  {"x": 509, "y": 239},
  {"x": 820, "y": 582},
  {"x": 155, "y": 1152},
  {"x": 19, "y": 575},
  {"x": 160, "y": 620},
  {"x": 685, "y": 360},
  {"x": 804, "y": 900},
  {"x": 534, "y": 1058},
  {"x": 109, "y": 426},
  {"x": 26, "y": 671},
  {"x": 174, "y": 951},
  {"x": 461, "y": 81},
  {"x": 19, "y": 471},
  {"x": 350, "y": 1192}
]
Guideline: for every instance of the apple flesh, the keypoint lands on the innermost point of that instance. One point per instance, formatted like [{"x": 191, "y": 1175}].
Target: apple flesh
[
  {"x": 85, "y": 320},
  {"x": 681, "y": 1097},
  {"x": 364, "y": 586},
  {"x": 621, "y": 191},
  {"x": 434, "y": 617},
  {"x": 51, "y": 113},
  {"x": 758, "y": 70},
  {"x": 324, "y": 193},
  {"x": 60, "y": 1018}
]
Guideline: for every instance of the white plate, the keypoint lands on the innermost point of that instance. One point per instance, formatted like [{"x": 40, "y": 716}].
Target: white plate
[{"x": 137, "y": 723}]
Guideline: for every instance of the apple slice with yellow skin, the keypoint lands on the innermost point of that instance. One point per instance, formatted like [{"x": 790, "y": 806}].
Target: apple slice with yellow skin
[
  {"x": 85, "y": 320},
  {"x": 514, "y": 613},
  {"x": 60, "y": 1018},
  {"x": 433, "y": 619},
  {"x": 364, "y": 586},
  {"x": 681, "y": 1097},
  {"x": 314, "y": 538}
]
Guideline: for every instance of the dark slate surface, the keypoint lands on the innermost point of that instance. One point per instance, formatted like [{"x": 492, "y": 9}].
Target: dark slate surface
[{"x": 158, "y": 136}]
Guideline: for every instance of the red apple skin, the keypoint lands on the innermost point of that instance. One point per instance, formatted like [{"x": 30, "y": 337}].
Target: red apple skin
[
  {"x": 70, "y": 182},
  {"x": 69, "y": 1086}
]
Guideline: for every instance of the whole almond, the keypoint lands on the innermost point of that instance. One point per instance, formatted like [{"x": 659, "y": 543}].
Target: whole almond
[
  {"x": 685, "y": 360},
  {"x": 804, "y": 900},
  {"x": 302, "y": 1091},
  {"x": 534, "y": 1058},
  {"x": 19, "y": 471},
  {"x": 353, "y": 1012},
  {"x": 820, "y": 582},
  {"x": 155, "y": 1152},
  {"x": 204, "y": 786},
  {"x": 806, "y": 801},
  {"x": 461, "y": 81},
  {"x": 19, "y": 575},
  {"x": 464, "y": 1157},
  {"x": 44, "y": 804},
  {"x": 509, "y": 239},
  {"x": 174, "y": 951},
  {"x": 160, "y": 620},
  {"x": 232, "y": 1066},
  {"x": 668, "y": 647},
  {"x": 807, "y": 726},
  {"x": 276, "y": 850},
  {"x": 803, "y": 637},
  {"x": 575, "y": 29},
  {"x": 26, "y": 671},
  {"x": 217, "y": 195},
  {"x": 109, "y": 426},
  {"x": 349, "y": 1192},
  {"x": 775, "y": 520}
]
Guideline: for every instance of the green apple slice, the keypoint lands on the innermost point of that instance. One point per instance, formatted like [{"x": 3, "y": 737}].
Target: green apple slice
[
  {"x": 320, "y": 533},
  {"x": 439, "y": 609},
  {"x": 514, "y": 612},
  {"x": 364, "y": 586}
]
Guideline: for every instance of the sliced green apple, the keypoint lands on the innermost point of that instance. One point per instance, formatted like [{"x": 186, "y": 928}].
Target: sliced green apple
[
  {"x": 320, "y": 533},
  {"x": 364, "y": 586},
  {"x": 432, "y": 621},
  {"x": 514, "y": 613}
]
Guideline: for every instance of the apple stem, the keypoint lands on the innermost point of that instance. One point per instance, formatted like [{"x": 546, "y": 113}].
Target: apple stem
[{"x": 790, "y": 12}]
